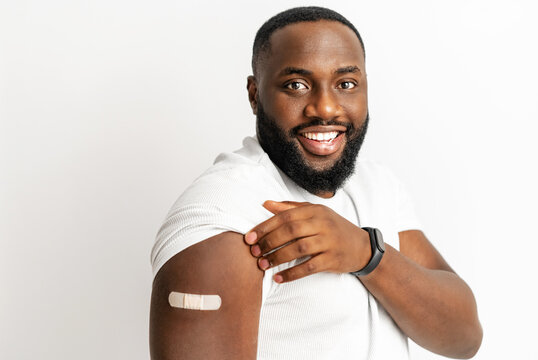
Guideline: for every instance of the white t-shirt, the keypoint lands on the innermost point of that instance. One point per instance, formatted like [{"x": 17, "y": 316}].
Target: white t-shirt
[{"x": 322, "y": 316}]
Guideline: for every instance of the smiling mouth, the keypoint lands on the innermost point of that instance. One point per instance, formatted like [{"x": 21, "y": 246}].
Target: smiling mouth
[
  {"x": 322, "y": 140},
  {"x": 325, "y": 137}
]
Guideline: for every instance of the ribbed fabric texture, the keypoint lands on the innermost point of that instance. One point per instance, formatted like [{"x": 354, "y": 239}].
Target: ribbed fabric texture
[{"x": 323, "y": 316}]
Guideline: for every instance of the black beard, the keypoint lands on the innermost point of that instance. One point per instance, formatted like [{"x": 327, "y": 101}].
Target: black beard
[{"x": 285, "y": 153}]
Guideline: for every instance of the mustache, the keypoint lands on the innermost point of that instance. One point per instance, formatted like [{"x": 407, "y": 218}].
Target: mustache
[{"x": 294, "y": 131}]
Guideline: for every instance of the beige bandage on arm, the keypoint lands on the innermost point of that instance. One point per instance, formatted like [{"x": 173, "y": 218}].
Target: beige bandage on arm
[{"x": 194, "y": 301}]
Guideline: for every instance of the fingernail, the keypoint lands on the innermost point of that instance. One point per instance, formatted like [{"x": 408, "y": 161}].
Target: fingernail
[
  {"x": 264, "y": 263},
  {"x": 255, "y": 250},
  {"x": 278, "y": 278},
  {"x": 251, "y": 237}
]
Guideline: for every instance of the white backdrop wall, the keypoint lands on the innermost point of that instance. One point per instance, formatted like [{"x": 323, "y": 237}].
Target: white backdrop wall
[{"x": 109, "y": 109}]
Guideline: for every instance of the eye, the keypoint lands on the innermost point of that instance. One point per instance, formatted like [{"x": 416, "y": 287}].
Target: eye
[
  {"x": 296, "y": 85},
  {"x": 346, "y": 85}
]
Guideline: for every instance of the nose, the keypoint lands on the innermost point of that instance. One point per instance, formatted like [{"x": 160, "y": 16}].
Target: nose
[{"x": 323, "y": 105}]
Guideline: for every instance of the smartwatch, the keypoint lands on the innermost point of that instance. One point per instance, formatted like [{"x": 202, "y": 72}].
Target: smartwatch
[{"x": 378, "y": 249}]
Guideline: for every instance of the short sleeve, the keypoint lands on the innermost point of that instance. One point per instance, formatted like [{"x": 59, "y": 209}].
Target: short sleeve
[
  {"x": 224, "y": 198},
  {"x": 189, "y": 224}
]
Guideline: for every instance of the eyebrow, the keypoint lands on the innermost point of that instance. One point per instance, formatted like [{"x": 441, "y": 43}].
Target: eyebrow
[
  {"x": 347, "y": 69},
  {"x": 293, "y": 70},
  {"x": 343, "y": 70}
]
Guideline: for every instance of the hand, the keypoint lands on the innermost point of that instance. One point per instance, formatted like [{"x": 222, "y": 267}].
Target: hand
[{"x": 302, "y": 229}]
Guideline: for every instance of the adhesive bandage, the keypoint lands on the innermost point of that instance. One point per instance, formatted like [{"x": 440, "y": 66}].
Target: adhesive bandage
[{"x": 194, "y": 301}]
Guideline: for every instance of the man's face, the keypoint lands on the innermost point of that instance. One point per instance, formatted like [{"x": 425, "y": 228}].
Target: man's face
[{"x": 310, "y": 98}]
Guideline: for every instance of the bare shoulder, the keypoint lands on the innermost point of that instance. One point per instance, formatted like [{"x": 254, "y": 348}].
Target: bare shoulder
[{"x": 221, "y": 265}]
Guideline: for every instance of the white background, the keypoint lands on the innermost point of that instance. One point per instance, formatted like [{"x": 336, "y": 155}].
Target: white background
[{"x": 109, "y": 109}]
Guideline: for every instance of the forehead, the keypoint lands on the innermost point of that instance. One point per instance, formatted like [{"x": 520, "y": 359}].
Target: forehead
[{"x": 313, "y": 45}]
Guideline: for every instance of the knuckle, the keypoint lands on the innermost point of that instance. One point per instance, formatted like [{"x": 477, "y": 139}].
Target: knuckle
[
  {"x": 310, "y": 266},
  {"x": 302, "y": 247},
  {"x": 285, "y": 216},
  {"x": 261, "y": 231},
  {"x": 328, "y": 222},
  {"x": 292, "y": 228},
  {"x": 266, "y": 244}
]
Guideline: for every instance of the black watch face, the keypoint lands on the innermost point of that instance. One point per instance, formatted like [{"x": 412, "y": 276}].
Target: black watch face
[{"x": 380, "y": 243}]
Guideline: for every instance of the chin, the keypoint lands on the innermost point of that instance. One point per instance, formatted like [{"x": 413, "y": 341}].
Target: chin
[
  {"x": 314, "y": 173},
  {"x": 319, "y": 162}
]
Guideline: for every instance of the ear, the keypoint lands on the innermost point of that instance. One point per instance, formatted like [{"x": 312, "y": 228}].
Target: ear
[{"x": 252, "y": 88}]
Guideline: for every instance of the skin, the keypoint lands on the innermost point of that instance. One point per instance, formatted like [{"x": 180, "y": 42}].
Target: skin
[
  {"x": 313, "y": 71},
  {"x": 426, "y": 299},
  {"x": 219, "y": 265},
  {"x": 424, "y": 296}
]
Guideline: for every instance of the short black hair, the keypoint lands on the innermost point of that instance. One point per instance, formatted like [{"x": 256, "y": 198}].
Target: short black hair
[{"x": 291, "y": 16}]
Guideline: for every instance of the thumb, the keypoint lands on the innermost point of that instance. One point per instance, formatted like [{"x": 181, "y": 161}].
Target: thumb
[{"x": 278, "y": 206}]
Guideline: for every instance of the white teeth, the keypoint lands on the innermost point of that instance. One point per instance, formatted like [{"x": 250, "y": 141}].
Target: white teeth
[{"x": 321, "y": 136}]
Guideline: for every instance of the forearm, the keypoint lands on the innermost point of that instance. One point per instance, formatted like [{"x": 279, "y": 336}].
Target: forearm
[
  {"x": 429, "y": 302},
  {"x": 435, "y": 308}
]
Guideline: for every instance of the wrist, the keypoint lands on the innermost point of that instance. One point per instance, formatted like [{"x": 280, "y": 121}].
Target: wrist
[
  {"x": 377, "y": 249},
  {"x": 365, "y": 250}
]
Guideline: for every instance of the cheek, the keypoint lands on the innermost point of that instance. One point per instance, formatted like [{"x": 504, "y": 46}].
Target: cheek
[
  {"x": 357, "y": 106},
  {"x": 287, "y": 110}
]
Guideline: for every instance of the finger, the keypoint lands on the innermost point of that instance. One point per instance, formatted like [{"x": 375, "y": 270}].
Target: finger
[
  {"x": 287, "y": 232},
  {"x": 297, "y": 213},
  {"x": 314, "y": 265},
  {"x": 303, "y": 247},
  {"x": 278, "y": 206}
]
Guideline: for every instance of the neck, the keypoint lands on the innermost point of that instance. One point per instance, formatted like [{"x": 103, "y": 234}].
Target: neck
[{"x": 325, "y": 194}]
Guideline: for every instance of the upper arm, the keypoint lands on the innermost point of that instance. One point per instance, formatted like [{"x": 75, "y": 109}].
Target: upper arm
[
  {"x": 415, "y": 245},
  {"x": 221, "y": 265}
]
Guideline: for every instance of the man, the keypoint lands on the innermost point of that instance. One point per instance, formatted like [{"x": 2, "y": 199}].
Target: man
[{"x": 307, "y": 276}]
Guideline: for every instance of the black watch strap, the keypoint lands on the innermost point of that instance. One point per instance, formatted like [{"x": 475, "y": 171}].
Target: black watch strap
[{"x": 378, "y": 249}]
